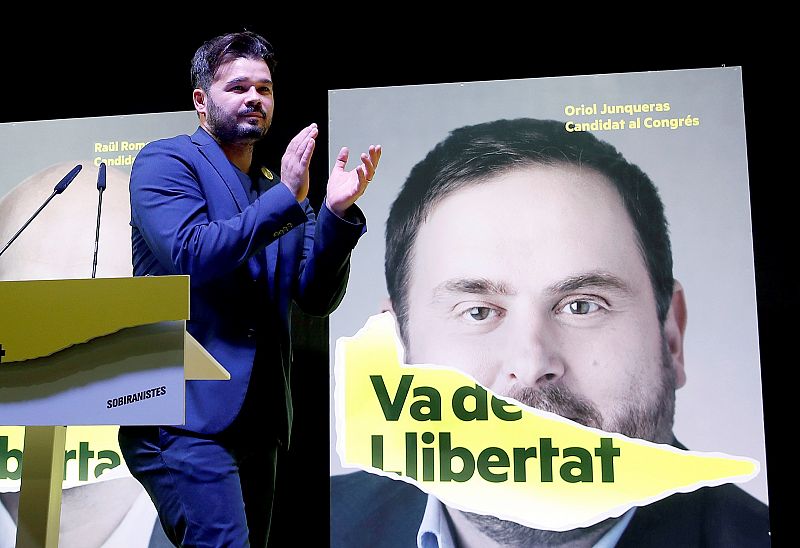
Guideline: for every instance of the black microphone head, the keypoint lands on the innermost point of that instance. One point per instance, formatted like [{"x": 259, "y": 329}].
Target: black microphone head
[
  {"x": 101, "y": 177},
  {"x": 64, "y": 183}
]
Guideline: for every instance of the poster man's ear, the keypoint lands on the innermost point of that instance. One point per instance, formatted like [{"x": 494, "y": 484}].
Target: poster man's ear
[{"x": 674, "y": 329}]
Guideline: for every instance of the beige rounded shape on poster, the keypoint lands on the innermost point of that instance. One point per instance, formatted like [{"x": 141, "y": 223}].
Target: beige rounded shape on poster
[{"x": 59, "y": 243}]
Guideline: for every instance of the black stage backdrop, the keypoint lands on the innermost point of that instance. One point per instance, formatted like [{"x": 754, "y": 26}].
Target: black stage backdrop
[{"x": 135, "y": 61}]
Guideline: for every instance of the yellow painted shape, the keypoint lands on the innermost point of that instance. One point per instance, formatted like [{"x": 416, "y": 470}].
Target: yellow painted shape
[
  {"x": 199, "y": 364},
  {"x": 643, "y": 472},
  {"x": 40, "y": 497},
  {"x": 41, "y": 317}
]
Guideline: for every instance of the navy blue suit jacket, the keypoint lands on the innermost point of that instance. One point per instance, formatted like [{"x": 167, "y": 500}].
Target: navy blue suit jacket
[
  {"x": 371, "y": 510},
  {"x": 247, "y": 262}
]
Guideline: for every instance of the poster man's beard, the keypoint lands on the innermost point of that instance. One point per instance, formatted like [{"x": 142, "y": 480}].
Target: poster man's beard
[{"x": 651, "y": 421}]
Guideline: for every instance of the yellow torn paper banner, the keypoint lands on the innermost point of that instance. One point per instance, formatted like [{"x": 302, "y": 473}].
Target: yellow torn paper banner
[{"x": 436, "y": 428}]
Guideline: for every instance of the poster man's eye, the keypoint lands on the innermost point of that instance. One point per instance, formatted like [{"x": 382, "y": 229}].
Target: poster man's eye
[
  {"x": 479, "y": 313},
  {"x": 581, "y": 307}
]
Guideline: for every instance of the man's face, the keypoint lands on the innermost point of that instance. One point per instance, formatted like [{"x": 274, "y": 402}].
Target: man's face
[
  {"x": 239, "y": 103},
  {"x": 533, "y": 283}
]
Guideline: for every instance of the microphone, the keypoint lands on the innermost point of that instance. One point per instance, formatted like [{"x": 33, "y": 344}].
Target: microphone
[
  {"x": 58, "y": 189},
  {"x": 101, "y": 186},
  {"x": 64, "y": 183},
  {"x": 101, "y": 177}
]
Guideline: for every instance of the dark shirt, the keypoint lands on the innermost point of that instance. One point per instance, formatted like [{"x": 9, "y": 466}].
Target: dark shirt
[{"x": 254, "y": 183}]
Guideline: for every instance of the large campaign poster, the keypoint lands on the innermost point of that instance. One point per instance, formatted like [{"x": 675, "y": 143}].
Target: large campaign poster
[
  {"x": 684, "y": 129},
  {"x": 102, "y": 504}
]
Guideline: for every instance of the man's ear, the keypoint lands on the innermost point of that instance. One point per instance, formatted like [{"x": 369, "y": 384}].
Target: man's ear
[
  {"x": 674, "y": 329},
  {"x": 200, "y": 101}
]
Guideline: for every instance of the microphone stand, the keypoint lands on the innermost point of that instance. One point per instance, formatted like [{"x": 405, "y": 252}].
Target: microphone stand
[
  {"x": 59, "y": 188},
  {"x": 101, "y": 186}
]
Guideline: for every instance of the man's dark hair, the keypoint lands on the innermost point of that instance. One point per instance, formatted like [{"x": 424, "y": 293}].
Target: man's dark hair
[
  {"x": 222, "y": 49},
  {"x": 473, "y": 154}
]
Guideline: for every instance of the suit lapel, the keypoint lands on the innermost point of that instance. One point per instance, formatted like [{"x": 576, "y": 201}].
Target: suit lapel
[
  {"x": 209, "y": 148},
  {"x": 216, "y": 157}
]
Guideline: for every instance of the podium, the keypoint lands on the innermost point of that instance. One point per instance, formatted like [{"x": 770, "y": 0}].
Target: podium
[{"x": 106, "y": 351}]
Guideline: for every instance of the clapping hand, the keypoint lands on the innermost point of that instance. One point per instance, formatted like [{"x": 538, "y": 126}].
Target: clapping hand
[{"x": 345, "y": 187}]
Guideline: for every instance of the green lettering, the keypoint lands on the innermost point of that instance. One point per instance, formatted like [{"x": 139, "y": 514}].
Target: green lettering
[
  {"x": 520, "y": 457},
  {"x": 583, "y": 466},
  {"x": 498, "y": 408},
  {"x": 446, "y": 454},
  {"x": 546, "y": 454},
  {"x": 607, "y": 452},
  {"x": 427, "y": 457},
  {"x": 492, "y": 457},
  {"x": 433, "y": 405},
  {"x": 6, "y": 455},
  {"x": 391, "y": 408},
  {"x": 377, "y": 451},
  {"x": 83, "y": 461},
  {"x": 411, "y": 455},
  {"x": 113, "y": 461},
  {"x": 477, "y": 393}
]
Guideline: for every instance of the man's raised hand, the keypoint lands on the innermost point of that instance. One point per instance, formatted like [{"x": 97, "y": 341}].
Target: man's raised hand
[
  {"x": 296, "y": 161},
  {"x": 345, "y": 187}
]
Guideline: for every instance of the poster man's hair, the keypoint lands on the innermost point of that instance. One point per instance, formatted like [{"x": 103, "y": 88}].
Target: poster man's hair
[{"x": 473, "y": 154}]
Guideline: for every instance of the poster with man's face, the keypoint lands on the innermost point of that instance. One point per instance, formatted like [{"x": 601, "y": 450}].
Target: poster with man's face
[
  {"x": 60, "y": 244},
  {"x": 536, "y": 272}
]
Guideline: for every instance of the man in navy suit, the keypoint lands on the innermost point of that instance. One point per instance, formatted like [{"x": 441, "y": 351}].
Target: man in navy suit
[{"x": 251, "y": 244}]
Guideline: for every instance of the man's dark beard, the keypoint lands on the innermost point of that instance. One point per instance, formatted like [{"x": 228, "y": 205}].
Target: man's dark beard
[
  {"x": 227, "y": 129},
  {"x": 652, "y": 421}
]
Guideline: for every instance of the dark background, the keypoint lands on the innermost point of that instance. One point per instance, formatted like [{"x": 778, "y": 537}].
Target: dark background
[{"x": 70, "y": 65}]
